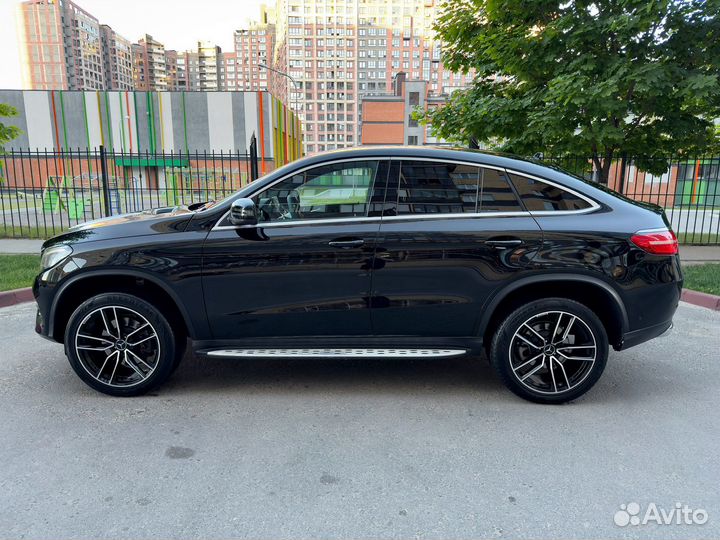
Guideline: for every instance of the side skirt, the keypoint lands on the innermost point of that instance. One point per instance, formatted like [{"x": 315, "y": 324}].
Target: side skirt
[{"x": 340, "y": 347}]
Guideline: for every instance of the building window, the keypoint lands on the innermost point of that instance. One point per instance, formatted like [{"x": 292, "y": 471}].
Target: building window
[{"x": 412, "y": 139}]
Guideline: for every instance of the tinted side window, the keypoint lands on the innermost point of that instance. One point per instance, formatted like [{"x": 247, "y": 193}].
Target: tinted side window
[
  {"x": 539, "y": 196},
  {"x": 496, "y": 195},
  {"x": 328, "y": 191},
  {"x": 429, "y": 187}
]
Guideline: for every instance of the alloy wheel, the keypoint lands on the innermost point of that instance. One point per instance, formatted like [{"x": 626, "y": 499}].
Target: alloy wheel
[
  {"x": 552, "y": 352},
  {"x": 117, "y": 346}
]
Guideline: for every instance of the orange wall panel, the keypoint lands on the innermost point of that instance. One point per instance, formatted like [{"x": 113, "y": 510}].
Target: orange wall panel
[
  {"x": 382, "y": 133},
  {"x": 382, "y": 111}
]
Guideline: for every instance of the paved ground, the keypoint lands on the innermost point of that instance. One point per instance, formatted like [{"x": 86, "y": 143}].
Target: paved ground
[
  {"x": 699, "y": 254},
  {"x": 12, "y": 245},
  {"x": 357, "y": 449}
]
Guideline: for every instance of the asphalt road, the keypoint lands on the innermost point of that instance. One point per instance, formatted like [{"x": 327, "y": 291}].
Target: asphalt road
[{"x": 357, "y": 449}]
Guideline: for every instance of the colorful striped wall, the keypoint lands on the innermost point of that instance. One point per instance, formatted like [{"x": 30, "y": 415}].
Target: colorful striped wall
[{"x": 154, "y": 122}]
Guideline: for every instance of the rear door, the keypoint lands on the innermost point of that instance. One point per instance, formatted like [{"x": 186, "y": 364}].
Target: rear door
[{"x": 451, "y": 234}]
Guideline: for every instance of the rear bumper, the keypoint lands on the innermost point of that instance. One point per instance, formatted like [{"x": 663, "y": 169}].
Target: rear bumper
[{"x": 636, "y": 337}]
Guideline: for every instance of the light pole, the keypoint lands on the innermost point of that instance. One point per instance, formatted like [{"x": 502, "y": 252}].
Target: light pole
[{"x": 295, "y": 83}]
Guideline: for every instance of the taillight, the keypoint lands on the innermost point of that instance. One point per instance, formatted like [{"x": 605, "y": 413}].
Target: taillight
[{"x": 657, "y": 241}]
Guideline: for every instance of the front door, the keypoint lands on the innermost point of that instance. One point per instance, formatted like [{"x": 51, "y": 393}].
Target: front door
[
  {"x": 451, "y": 235},
  {"x": 305, "y": 270}
]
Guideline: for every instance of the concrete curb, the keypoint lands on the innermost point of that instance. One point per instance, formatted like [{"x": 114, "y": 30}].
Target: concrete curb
[
  {"x": 17, "y": 296},
  {"x": 709, "y": 301}
]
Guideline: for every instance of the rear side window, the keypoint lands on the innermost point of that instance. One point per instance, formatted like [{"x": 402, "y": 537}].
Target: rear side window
[
  {"x": 496, "y": 195},
  {"x": 429, "y": 187},
  {"x": 539, "y": 196}
]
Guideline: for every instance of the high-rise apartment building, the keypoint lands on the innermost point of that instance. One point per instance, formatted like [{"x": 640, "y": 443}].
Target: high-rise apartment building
[
  {"x": 209, "y": 64},
  {"x": 85, "y": 65},
  {"x": 253, "y": 46},
  {"x": 191, "y": 65},
  {"x": 341, "y": 50},
  {"x": 42, "y": 45},
  {"x": 149, "y": 68},
  {"x": 60, "y": 46},
  {"x": 175, "y": 70},
  {"x": 117, "y": 60}
]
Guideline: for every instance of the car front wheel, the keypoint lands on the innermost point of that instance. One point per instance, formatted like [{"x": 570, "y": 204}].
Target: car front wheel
[
  {"x": 550, "y": 351},
  {"x": 120, "y": 344}
]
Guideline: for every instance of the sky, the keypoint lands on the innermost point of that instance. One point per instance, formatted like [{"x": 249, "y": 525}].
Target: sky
[{"x": 178, "y": 24}]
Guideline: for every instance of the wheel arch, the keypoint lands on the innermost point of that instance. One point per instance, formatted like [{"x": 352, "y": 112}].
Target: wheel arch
[
  {"x": 79, "y": 288},
  {"x": 590, "y": 291}
]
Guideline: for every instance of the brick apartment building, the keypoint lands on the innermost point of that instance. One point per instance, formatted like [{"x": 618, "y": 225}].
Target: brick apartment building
[
  {"x": 253, "y": 46},
  {"x": 60, "y": 46},
  {"x": 342, "y": 50},
  {"x": 117, "y": 59},
  {"x": 388, "y": 118}
]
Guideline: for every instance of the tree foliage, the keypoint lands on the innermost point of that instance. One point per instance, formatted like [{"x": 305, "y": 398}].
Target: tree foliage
[
  {"x": 602, "y": 78},
  {"x": 7, "y": 133}
]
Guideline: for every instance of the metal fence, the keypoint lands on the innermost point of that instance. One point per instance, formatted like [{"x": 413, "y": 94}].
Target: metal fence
[
  {"x": 43, "y": 193},
  {"x": 688, "y": 189}
]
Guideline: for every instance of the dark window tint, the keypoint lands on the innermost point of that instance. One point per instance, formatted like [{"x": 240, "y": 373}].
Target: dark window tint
[
  {"x": 539, "y": 196},
  {"x": 328, "y": 191},
  {"x": 496, "y": 195},
  {"x": 429, "y": 187}
]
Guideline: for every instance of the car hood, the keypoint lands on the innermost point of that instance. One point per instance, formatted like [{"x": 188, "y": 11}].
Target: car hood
[{"x": 156, "y": 221}]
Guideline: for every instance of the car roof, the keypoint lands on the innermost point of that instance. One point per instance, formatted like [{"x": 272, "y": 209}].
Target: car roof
[
  {"x": 481, "y": 157},
  {"x": 438, "y": 152}
]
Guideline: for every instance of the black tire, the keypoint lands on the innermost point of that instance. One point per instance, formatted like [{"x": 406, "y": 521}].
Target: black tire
[
  {"x": 524, "y": 364},
  {"x": 123, "y": 367}
]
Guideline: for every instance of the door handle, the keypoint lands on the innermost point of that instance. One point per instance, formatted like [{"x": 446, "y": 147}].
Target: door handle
[
  {"x": 346, "y": 244},
  {"x": 503, "y": 243}
]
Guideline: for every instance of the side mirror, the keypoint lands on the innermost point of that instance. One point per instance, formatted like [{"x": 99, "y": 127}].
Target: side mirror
[{"x": 243, "y": 212}]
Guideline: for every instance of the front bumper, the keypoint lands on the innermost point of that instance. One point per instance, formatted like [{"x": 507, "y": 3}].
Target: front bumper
[{"x": 42, "y": 297}]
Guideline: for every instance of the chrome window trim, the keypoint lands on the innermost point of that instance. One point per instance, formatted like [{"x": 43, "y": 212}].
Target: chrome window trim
[
  {"x": 360, "y": 219},
  {"x": 304, "y": 222}
]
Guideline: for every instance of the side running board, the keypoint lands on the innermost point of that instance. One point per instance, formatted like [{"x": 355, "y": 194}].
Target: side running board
[{"x": 334, "y": 352}]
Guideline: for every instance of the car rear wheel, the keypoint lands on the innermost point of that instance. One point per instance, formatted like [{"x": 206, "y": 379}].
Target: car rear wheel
[
  {"x": 120, "y": 344},
  {"x": 550, "y": 351}
]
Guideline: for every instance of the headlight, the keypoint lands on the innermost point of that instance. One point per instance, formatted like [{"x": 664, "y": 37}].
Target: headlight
[{"x": 53, "y": 255}]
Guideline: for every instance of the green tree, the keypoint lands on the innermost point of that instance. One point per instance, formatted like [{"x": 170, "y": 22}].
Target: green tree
[
  {"x": 594, "y": 78},
  {"x": 7, "y": 133}
]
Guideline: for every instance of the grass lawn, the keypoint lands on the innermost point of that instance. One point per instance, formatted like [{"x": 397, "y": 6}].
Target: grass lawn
[
  {"x": 41, "y": 233},
  {"x": 703, "y": 277},
  {"x": 17, "y": 271}
]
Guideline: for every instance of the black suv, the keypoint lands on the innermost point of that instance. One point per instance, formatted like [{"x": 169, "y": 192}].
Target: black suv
[{"x": 392, "y": 252}]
